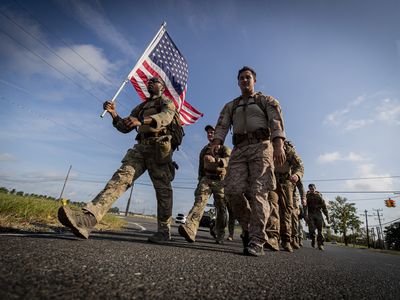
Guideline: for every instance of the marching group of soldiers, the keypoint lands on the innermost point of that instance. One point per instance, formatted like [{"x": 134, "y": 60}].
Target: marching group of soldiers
[{"x": 256, "y": 181}]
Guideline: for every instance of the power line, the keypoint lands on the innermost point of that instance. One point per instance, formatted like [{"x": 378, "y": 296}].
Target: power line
[
  {"x": 59, "y": 124},
  {"x": 66, "y": 44},
  {"x": 359, "y": 192},
  {"x": 359, "y": 178},
  {"x": 43, "y": 44},
  {"x": 50, "y": 65}
]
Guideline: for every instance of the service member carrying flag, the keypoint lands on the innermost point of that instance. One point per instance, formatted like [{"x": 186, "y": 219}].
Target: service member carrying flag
[{"x": 160, "y": 78}]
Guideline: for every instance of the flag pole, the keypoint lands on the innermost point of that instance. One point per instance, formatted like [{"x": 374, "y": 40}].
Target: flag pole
[{"x": 162, "y": 28}]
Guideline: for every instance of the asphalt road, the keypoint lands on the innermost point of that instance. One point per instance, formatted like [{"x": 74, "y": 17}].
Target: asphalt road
[{"x": 123, "y": 265}]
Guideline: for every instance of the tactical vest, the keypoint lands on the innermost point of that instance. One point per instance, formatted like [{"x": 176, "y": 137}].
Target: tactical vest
[
  {"x": 175, "y": 128},
  {"x": 259, "y": 134}
]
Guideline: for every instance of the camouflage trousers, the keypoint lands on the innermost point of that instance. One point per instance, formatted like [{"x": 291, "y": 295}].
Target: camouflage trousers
[
  {"x": 285, "y": 196},
  {"x": 295, "y": 220},
  {"x": 231, "y": 220},
  {"x": 273, "y": 224},
  {"x": 205, "y": 188},
  {"x": 251, "y": 172},
  {"x": 316, "y": 222},
  {"x": 134, "y": 164}
]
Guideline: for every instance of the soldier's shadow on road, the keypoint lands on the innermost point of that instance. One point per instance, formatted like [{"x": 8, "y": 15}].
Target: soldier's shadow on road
[
  {"x": 140, "y": 236},
  {"x": 177, "y": 241}
]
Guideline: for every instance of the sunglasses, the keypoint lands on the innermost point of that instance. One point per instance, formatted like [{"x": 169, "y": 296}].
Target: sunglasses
[{"x": 155, "y": 80}]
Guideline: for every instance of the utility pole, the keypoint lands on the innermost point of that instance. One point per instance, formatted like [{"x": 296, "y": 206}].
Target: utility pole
[
  {"x": 129, "y": 202},
  {"x": 366, "y": 222},
  {"x": 380, "y": 225},
  {"x": 65, "y": 182}
]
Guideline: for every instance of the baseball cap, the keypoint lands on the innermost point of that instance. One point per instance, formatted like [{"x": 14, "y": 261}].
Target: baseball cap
[{"x": 209, "y": 127}]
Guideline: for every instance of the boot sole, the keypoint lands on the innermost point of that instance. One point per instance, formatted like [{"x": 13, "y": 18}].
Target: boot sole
[
  {"x": 65, "y": 218},
  {"x": 253, "y": 253},
  {"x": 184, "y": 234}
]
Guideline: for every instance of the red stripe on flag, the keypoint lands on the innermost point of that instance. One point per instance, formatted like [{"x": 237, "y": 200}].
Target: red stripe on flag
[{"x": 137, "y": 88}]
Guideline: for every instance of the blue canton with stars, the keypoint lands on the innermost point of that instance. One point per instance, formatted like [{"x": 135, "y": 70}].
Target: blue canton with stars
[{"x": 167, "y": 57}]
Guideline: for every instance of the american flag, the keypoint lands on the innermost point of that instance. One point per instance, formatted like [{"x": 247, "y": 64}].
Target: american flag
[{"x": 163, "y": 59}]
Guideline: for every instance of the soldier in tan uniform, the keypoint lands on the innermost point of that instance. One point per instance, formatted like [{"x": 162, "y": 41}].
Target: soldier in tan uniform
[
  {"x": 212, "y": 170},
  {"x": 153, "y": 153},
  {"x": 316, "y": 204},
  {"x": 297, "y": 229},
  {"x": 287, "y": 175},
  {"x": 258, "y": 135}
]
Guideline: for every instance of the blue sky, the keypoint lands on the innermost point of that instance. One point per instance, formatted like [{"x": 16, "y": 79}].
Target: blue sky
[{"x": 333, "y": 65}]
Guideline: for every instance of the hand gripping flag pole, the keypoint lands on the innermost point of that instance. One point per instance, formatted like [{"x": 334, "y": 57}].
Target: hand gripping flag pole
[{"x": 160, "y": 32}]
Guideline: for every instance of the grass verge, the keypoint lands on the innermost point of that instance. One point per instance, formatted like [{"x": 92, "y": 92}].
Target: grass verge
[{"x": 40, "y": 214}]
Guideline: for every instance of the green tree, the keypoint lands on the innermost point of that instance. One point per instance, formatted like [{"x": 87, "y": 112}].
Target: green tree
[
  {"x": 344, "y": 217},
  {"x": 3, "y": 190},
  {"x": 114, "y": 210},
  {"x": 393, "y": 236}
]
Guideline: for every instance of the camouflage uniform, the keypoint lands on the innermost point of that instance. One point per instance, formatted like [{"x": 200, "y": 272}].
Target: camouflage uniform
[
  {"x": 284, "y": 191},
  {"x": 153, "y": 152},
  {"x": 292, "y": 166},
  {"x": 273, "y": 225},
  {"x": 315, "y": 203},
  {"x": 297, "y": 229},
  {"x": 231, "y": 221},
  {"x": 211, "y": 177},
  {"x": 251, "y": 166}
]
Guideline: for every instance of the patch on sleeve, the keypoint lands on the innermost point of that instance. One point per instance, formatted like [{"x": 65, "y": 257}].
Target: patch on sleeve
[{"x": 272, "y": 101}]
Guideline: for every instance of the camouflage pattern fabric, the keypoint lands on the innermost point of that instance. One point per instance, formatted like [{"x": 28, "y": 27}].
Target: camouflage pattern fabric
[
  {"x": 273, "y": 224},
  {"x": 315, "y": 207},
  {"x": 251, "y": 171},
  {"x": 134, "y": 164},
  {"x": 144, "y": 156},
  {"x": 204, "y": 189}
]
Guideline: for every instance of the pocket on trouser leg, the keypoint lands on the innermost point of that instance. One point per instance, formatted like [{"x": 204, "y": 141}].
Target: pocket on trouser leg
[{"x": 163, "y": 150}]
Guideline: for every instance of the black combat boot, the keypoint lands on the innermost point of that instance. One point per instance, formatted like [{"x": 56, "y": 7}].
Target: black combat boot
[
  {"x": 313, "y": 242},
  {"x": 80, "y": 222},
  {"x": 159, "y": 238},
  {"x": 254, "y": 250},
  {"x": 245, "y": 239}
]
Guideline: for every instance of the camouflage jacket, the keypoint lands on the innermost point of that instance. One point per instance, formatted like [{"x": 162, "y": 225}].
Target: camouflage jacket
[
  {"x": 217, "y": 168},
  {"x": 292, "y": 166},
  {"x": 315, "y": 203},
  {"x": 161, "y": 114}
]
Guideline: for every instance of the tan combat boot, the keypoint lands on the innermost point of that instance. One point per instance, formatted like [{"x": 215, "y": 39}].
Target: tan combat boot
[
  {"x": 287, "y": 246},
  {"x": 185, "y": 233},
  {"x": 295, "y": 245},
  {"x": 272, "y": 244},
  {"x": 80, "y": 222},
  {"x": 321, "y": 247}
]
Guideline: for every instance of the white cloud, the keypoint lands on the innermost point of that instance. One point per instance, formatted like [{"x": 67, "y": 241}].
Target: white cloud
[
  {"x": 329, "y": 157},
  {"x": 365, "y": 111},
  {"x": 368, "y": 171},
  {"x": 389, "y": 111},
  {"x": 337, "y": 116},
  {"x": 28, "y": 57},
  {"x": 7, "y": 157},
  {"x": 102, "y": 67},
  {"x": 337, "y": 156},
  {"x": 356, "y": 124},
  {"x": 96, "y": 20}
]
